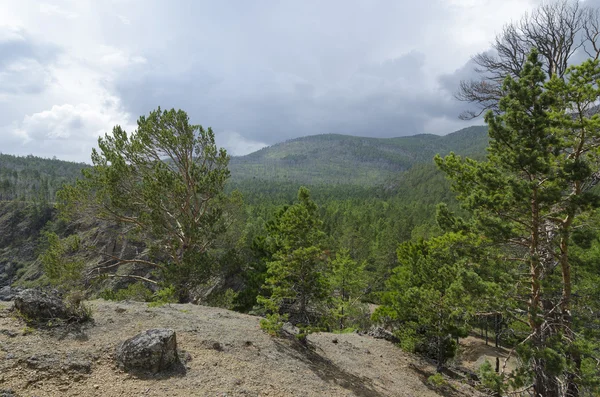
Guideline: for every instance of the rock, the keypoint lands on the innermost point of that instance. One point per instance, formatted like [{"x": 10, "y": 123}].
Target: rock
[
  {"x": 154, "y": 350},
  {"x": 7, "y": 393},
  {"x": 39, "y": 307},
  {"x": 381, "y": 333},
  {"x": 7, "y": 293},
  {"x": 290, "y": 329},
  {"x": 213, "y": 344},
  {"x": 9, "y": 333}
]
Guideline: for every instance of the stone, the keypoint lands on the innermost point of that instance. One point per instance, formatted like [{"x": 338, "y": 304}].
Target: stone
[
  {"x": 39, "y": 306},
  {"x": 154, "y": 350},
  {"x": 9, "y": 333},
  {"x": 290, "y": 329},
  {"x": 381, "y": 333},
  {"x": 7, "y": 293}
]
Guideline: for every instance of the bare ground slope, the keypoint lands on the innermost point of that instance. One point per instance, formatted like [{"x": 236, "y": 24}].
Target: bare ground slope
[{"x": 227, "y": 355}]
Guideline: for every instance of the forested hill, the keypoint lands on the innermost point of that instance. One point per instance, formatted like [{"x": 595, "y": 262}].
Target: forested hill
[
  {"x": 34, "y": 178},
  {"x": 349, "y": 160},
  {"x": 319, "y": 160}
]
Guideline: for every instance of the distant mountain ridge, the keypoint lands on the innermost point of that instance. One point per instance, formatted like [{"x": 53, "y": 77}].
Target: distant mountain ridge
[
  {"x": 343, "y": 159},
  {"x": 330, "y": 159}
]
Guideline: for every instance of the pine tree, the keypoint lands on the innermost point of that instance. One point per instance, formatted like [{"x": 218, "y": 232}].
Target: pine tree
[
  {"x": 296, "y": 277},
  {"x": 347, "y": 281},
  {"x": 432, "y": 295},
  {"x": 542, "y": 160},
  {"x": 162, "y": 184}
]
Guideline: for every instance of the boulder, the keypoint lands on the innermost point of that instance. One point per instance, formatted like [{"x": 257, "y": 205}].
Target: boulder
[
  {"x": 381, "y": 333},
  {"x": 39, "y": 306},
  {"x": 290, "y": 329},
  {"x": 7, "y": 293},
  {"x": 154, "y": 350}
]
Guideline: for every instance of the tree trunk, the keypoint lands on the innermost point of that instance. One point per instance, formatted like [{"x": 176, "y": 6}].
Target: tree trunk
[
  {"x": 566, "y": 320},
  {"x": 572, "y": 386},
  {"x": 302, "y": 309},
  {"x": 486, "y": 330},
  {"x": 544, "y": 386},
  {"x": 497, "y": 329},
  {"x": 440, "y": 354}
]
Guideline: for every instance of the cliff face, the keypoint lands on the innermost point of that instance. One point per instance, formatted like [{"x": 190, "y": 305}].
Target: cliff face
[
  {"x": 20, "y": 227},
  {"x": 225, "y": 354}
]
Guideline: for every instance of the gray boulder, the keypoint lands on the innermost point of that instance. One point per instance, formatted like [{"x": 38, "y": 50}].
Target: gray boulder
[
  {"x": 39, "y": 306},
  {"x": 7, "y": 293},
  {"x": 381, "y": 333},
  {"x": 290, "y": 329},
  {"x": 154, "y": 350}
]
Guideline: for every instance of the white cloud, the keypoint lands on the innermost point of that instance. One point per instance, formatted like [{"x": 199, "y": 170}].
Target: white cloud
[
  {"x": 114, "y": 58},
  {"x": 257, "y": 73},
  {"x": 55, "y": 10},
  {"x": 10, "y": 33},
  {"x": 63, "y": 130},
  {"x": 236, "y": 144},
  {"x": 124, "y": 19},
  {"x": 24, "y": 76}
]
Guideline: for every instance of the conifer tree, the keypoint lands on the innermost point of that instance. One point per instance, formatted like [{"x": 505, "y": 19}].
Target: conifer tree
[
  {"x": 348, "y": 281},
  {"x": 162, "y": 184},
  {"x": 432, "y": 295},
  {"x": 296, "y": 275},
  {"x": 542, "y": 161}
]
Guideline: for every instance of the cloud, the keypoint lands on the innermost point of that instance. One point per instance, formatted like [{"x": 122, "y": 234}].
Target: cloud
[
  {"x": 24, "y": 76},
  {"x": 24, "y": 62},
  {"x": 386, "y": 99},
  {"x": 257, "y": 72},
  {"x": 236, "y": 144},
  {"x": 54, "y": 10},
  {"x": 64, "y": 130},
  {"x": 124, "y": 19}
]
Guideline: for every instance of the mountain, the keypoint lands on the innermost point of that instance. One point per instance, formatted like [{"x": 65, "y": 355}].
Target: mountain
[
  {"x": 329, "y": 159},
  {"x": 350, "y": 160}
]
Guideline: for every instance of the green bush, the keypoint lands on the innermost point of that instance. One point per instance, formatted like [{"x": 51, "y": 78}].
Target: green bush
[
  {"x": 437, "y": 381},
  {"x": 273, "y": 323},
  {"x": 136, "y": 292},
  {"x": 164, "y": 296},
  {"x": 224, "y": 299}
]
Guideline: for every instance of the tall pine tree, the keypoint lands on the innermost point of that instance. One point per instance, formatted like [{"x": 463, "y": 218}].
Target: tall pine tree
[{"x": 542, "y": 161}]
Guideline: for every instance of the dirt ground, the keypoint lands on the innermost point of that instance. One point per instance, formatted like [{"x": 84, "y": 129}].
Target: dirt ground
[
  {"x": 226, "y": 354},
  {"x": 473, "y": 352}
]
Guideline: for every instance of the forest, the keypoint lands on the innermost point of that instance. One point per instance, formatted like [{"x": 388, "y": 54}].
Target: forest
[{"x": 490, "y": 229}]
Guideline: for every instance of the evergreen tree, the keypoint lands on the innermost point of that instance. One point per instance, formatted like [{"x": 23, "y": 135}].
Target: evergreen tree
[
  {"x": 348, "y": 282},
  {"x": 542, "y": 160},
  {"x": 432, "y": 295},
  {"x": 163, "y": 184},
  {"x": 296, "y": 275}
]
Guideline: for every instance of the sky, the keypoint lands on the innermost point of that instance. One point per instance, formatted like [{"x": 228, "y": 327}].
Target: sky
[{"x": 257, "y": 72}]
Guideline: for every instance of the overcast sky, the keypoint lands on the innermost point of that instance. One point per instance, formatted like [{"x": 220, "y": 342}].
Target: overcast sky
[{"x": 258, "y": 72}]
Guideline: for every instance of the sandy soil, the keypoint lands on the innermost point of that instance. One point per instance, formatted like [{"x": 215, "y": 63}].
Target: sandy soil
[
  {"x": 473, "y": 352},
  {"x": 226, "y": 354}
]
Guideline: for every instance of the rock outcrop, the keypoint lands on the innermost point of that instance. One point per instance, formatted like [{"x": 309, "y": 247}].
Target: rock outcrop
[
  {"x": 381, "y": 333},
  {"x": 8, "y": 293}
]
